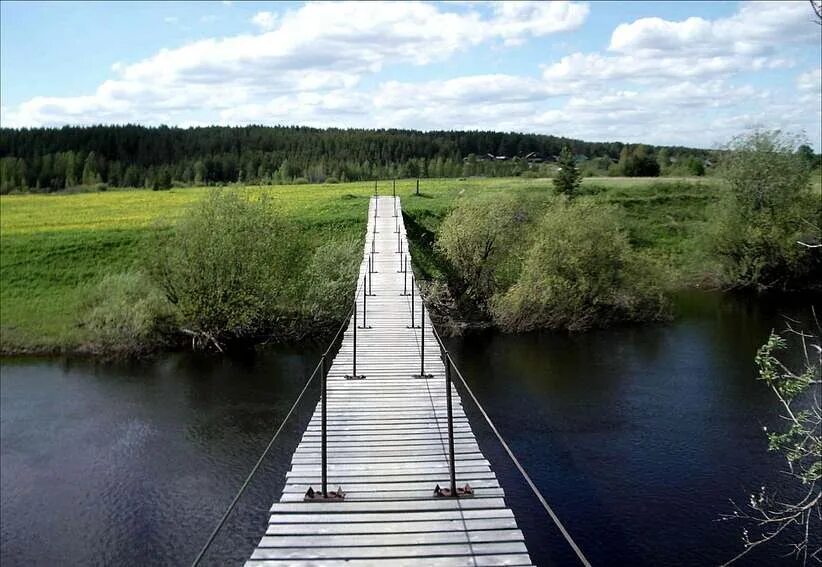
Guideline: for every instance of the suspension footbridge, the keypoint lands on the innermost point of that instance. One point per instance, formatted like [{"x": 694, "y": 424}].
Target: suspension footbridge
[{"x": 388, "y": 471}]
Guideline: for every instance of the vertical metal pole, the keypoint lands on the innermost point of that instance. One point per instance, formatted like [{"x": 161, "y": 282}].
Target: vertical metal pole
[
  {"x": 412, "y": 302},
  {"x": 418, "y": 185},
  {"x": 405, "y": 277},
  {"x": 364, "y": 302},
  {"x": 354, "y": 370},
  {"x": 422, "y": 338},
  {"x": 369, "y": 284},
  {"x": 399, "y": 243},
  {"x": 324, "y": 436},
  {"x": 451, "y": 464},
  {"x": 394, "y": 187}
]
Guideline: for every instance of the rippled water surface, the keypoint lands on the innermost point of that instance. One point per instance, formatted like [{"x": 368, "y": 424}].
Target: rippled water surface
[{"x": 638, "y": 437}]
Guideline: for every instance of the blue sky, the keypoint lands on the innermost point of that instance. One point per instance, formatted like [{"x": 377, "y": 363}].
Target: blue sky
[{"x": 690, "y": 73}]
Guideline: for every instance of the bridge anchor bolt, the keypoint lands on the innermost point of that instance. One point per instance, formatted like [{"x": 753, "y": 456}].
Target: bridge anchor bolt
[{"x": 312, "y": 495}]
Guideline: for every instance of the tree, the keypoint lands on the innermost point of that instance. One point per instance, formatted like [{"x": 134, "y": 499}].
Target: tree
[
  {"x": 768, "y": 208},
  {"x": 476, "y": 238},
  {"x": 797, "y": 387},
  {"x": 90, "y": 173},
  {"x": 806, "y": 153},
  {"x": 568, "y": 178},
  {"x": 580, "y": 271}
]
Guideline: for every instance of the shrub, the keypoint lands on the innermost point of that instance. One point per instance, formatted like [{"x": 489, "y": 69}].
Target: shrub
[
  {"x": 767, "y": 210},
  {"x": 331, "y": 276},
  {"x": 580, "y": 272},
  {"x": 127, "y": 313},
  {"x": 331, "y": 180},
  {"x": 229, "y": 267},
  {"x": 477, "y": 238}
]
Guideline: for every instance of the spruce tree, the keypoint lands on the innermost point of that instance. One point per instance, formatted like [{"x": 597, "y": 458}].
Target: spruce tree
[{"x": 568, "y": 178}]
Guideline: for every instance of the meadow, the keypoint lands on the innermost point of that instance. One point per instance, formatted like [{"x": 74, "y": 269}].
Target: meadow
[{"x": 54, "y": 247}]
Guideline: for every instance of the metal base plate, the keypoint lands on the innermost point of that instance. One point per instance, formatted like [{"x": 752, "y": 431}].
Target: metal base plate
[
  {"x": 357, "y": 377},
  {"x": 423, "y": 376},
  {"x": 462, "y": 491},
  {"x": 315, "y": 496}
]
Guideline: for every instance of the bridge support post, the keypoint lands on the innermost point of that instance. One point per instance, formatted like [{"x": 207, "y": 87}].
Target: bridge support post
[
  {"x": 354, "y": 375},
  {"x": 364, "y": 306},
  {"x": 405, "y": 275},
  {"x": 412, "y": 326},
  {"x": 324, "y": 462},
  {"x": 422, "y": 373},
  {"x": 324, "y": 495},
  {"x": 452, "y": 491}
]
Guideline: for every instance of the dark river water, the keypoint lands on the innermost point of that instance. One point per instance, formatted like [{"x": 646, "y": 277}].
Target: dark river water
[{"x": 638, "y": 437}]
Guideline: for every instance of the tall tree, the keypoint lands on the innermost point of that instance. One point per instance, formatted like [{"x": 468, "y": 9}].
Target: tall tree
[{"x": 568, "y": 177}]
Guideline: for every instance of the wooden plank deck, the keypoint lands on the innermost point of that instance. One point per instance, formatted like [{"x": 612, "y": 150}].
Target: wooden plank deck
[{"x": 388, "y": 448}]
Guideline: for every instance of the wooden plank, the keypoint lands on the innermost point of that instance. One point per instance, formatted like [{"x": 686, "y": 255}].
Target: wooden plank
[
  {"x": 421, "y": 506},
  {"x": 398, "y": 551},
  {"x": 478, "y": 561}
]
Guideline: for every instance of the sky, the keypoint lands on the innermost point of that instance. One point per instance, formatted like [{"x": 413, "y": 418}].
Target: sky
[{"x": 670, "y": 73}]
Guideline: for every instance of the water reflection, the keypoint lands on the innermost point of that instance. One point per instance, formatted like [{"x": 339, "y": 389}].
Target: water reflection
[{"x": 638, "y": 436}]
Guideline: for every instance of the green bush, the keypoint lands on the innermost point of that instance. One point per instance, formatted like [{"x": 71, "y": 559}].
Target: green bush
[
  {"x": 229, "y": 266},
  {"x": 331, "y": 275},
  {"x": 127, "y": 313},
  {"x": 767, "y": 211},
  {"x": 477, "y": 238},
  {"x": 580, "y": 272}
]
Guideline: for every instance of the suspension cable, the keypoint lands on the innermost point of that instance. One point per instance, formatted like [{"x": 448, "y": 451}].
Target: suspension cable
[
  {"x": 516, "y": 462},
  {"x": 259, "y": 462}
]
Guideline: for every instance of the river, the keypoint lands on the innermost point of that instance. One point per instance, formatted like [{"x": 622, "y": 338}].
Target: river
[{"x": 637, "y": 436}]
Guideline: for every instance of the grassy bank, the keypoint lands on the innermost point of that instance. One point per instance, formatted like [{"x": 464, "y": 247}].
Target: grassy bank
[{"x": 55, "y": 246}]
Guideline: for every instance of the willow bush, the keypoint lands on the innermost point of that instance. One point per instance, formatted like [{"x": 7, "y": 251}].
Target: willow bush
[
  {"x": 231, "y": 266},
  {"x": 580, "y": 272},
  {"x": 480, "y": 239}
]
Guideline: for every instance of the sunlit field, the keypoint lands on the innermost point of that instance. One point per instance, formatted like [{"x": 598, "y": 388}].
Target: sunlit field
[{"x": 55, "y": 246}]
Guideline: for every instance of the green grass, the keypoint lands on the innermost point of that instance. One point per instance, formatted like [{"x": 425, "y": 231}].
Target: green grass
[{"x": 55, "y": 246}]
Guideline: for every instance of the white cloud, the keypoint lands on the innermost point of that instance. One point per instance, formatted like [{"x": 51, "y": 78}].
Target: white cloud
[
  {"x": 264, "y": 20},
  {"x": 658, "y": 81},
  {"x": 315, "y": 49},
  {"x": 810, "y": 82},
  {"x": 170, "y": 19},
  {"x": 758, "y": 28}
]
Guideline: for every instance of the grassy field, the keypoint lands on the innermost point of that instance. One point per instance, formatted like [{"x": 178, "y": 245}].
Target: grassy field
[{"x": 55, "y": 246}]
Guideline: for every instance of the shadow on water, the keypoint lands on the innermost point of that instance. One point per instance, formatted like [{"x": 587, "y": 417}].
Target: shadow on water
[{"x": 637, "y": 436}]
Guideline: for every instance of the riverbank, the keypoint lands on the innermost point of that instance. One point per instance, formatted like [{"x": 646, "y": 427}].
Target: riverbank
[{"x": 56, "y": 247}]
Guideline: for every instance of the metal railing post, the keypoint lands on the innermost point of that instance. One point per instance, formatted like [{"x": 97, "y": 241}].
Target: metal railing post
[
  {"x": 364, "y": 306},
  {"x": 412, "y": 303},
  {"x": 405, "y": 276},
  {"x": 324, "y": 435},
  {"x": 418, "y": 185},
  {"x": 451, "y": 464},
  {"x": 422, "y": 373},
  {"x": 354, "y": 375}
]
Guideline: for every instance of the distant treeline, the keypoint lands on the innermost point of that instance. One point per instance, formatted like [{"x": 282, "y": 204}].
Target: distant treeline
[{"x": 51, "y": 159}]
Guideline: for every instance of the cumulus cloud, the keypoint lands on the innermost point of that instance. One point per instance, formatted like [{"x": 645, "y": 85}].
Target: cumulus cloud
[
  {"x": 758, "y": 28},
  {"x": 655, "y": 80},
  {"x": 264, "y": 20},
  {"x": 314, "y": 49}
]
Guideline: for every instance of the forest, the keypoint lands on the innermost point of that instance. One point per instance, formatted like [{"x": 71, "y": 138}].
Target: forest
[{"x": 53, "y": 159}]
